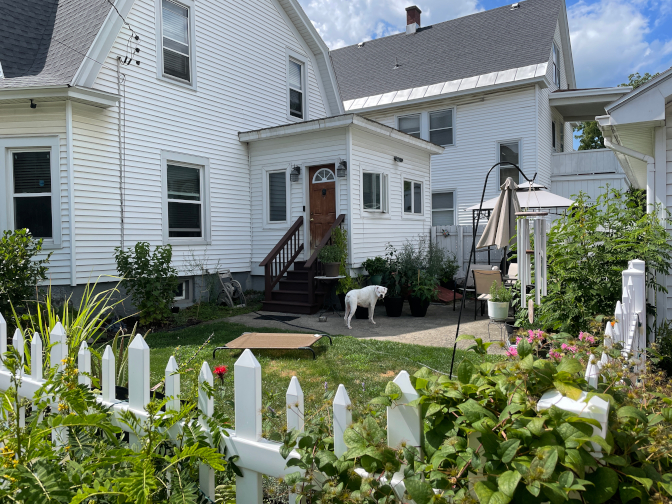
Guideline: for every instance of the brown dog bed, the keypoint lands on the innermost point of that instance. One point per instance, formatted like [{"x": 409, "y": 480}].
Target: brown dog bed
[{"x": 274, "y": 341}]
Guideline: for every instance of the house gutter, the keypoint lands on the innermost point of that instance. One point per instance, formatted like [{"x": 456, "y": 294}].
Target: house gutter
[
  {"x": 650, "y": 169},
  {"x": 71, "y": 192}
]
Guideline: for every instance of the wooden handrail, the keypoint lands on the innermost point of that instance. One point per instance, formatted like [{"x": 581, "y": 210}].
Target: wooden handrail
[
  {"x": 283, "y": 241},
  {"x": 327, "y": 236}
]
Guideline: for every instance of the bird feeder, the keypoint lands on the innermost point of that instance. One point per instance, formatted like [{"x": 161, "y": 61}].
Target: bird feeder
[{"x": 539, "y": 222}]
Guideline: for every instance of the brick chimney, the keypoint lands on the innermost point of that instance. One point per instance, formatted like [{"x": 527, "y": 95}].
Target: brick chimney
[{"x": 412, "y": 19}]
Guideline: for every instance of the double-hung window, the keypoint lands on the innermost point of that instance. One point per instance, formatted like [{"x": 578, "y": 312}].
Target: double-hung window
[
  {"x": 296, "y": 87},
  {"x": 443, "y": 209},
  {"x": 277, "y": 196},
  {"x": 441, "y": 127},
  {"x": 374, "y": 192},
  {"x": 509, "y": 152},
  {"x": 412, "y": 197},
  {"x": 553, "y": 135},
  {"x": 176, "y": 40},
  {"x": 31, "y": 195},
  {"x": 185, "y": 201},
  {"x": 410, "y": 124},
  {"x": 556, "y": 65}
]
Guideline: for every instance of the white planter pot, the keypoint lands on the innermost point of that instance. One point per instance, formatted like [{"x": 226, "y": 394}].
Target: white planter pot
[{"x": 498, "y": 311}]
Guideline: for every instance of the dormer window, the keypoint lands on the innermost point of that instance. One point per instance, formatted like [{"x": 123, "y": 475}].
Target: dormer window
[{"x": 556, "y": 65}]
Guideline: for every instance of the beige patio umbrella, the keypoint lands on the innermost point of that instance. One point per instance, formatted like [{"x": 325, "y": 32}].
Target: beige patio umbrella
[{"x": 501, "y": 226}]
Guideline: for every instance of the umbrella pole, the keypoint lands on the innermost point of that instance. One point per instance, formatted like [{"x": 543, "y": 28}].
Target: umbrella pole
[{"x": 472, "y": 253}]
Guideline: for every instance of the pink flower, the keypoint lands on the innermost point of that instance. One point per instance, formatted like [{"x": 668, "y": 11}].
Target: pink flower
[
  {"x": 564, "y": 346},
  {"x": 518, "y": 339},
  {"x": 512, "y": 352},
  {"x": 554, "y": 354}
]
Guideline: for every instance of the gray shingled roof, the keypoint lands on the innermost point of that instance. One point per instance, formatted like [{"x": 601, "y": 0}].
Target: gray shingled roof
[
  {"x": 490, "y": 41},
  {"x": 43, "y": 42}
]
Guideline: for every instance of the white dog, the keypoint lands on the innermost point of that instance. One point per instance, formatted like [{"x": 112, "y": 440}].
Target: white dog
[{"x": 366, "y": 297}]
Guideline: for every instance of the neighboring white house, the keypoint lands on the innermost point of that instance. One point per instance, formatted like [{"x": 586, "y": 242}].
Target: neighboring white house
[
  {"x": 129, "y": 124},
  {"x": 638, "y": 128},
  {"x": 493, "y": 86}
]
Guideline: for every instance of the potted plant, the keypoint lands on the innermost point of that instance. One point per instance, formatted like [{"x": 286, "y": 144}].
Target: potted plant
[
  {"x": 423, "y": 291},
  {"x": 498, "y": 304},
  {"x": 375, "y": 267},
  {"x": 394, "y": 300},
  {"x": 330, "y": 256},
  {"x": 448, "y": 271}
]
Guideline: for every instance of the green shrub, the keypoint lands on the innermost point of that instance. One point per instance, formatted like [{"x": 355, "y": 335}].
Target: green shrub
[
  {"x": 424, "y": 286},
  {"x": 330, "y": 254},
  {"x": 589, "y": 247},
  {"x": 375, "y": 266},
  {"x": 20, "y": 271},
  {"x": 662, "y": 350},
  {"x": 149, "y": 278}
]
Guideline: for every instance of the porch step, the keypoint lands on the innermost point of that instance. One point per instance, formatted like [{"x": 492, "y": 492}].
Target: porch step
[
  {"x": 293, "y": 285},
  {"x": 291, "y": 307},
  {"x": 301, "y": 275},
  {"x": 299, "y": 296}
]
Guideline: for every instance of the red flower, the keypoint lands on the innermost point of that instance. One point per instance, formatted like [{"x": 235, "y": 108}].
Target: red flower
[{"x": 220, "y": 371}]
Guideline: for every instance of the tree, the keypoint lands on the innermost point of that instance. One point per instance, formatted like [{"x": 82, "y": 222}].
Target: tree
[{"x": 588, "y": 132}]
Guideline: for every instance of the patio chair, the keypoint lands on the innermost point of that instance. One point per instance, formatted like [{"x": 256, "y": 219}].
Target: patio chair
[
  {"x": 512, "y": 275},
  {"x": 483, "y": 281},
  {"x": 469, "y": 280}
]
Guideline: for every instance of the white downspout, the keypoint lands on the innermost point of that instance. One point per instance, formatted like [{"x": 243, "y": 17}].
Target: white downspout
[
  {"x": 650, "y": 169},
  {"x": 71, "y": 192}
]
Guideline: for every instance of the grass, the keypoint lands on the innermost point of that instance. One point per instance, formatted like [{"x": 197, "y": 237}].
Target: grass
[
  {"x": 204, "y": 312},
  {"x": 363, "y": 366}
]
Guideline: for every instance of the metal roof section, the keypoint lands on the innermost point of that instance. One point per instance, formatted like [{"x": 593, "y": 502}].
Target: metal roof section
[
  {"x": 585, "y": 104},
  {"x": 448, "y": 89}
]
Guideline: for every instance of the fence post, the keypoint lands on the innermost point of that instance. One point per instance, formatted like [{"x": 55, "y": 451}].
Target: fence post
[
  {"x": 206, "y": 474},
  {"x": 342, "y": 419},
  {"x": 59, "y": 353},
  {"x": 3, "y": 340},
  {"x": 17, "y": 343},
  {"x": 172, "y": 385},
  {"x": 36, "y": 356},
  {"x": 138, "y": 378},
  {"x": 247, "y": 385},
  {"x": 404, "y": 424},
  {"x": 108, "y": 381},
  {"x": 84, "y": 365},
  {"x": 295, "y": 414}
]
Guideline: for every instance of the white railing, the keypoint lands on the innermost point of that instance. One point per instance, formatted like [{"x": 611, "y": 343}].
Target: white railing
[{"x": 257, "y": 456}]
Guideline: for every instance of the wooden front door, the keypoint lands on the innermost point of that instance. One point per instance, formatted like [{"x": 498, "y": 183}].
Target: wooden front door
[{"x": 322, "y": 201}]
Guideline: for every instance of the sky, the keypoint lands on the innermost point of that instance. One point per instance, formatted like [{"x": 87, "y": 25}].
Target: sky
[{"x": 610, "y": 38}]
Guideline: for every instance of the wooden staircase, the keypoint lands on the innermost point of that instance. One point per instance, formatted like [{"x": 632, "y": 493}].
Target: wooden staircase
[{"x": 297, "y": 290}]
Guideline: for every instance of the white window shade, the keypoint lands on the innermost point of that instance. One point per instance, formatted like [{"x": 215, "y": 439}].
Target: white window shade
[
  {"x": 176, "y": 51},
  {"x": 295, "y": 75},
  {"x": 410, "y": 125}
]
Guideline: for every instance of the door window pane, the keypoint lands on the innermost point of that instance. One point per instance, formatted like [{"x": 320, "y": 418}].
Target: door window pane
[
  {"x": 277, "y": 192},
  {"x": 371, "y": 191},
  {"x": 31, "y": 173},
  {"x": 441, "y": 127},
  {"x": 184, "y": 201},
  {"x": 410, "y": 125},
  {"x": 509, "y": 153}
]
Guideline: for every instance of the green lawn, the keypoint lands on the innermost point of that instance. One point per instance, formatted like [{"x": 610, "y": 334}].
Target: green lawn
[{"x": 363, "y": 366}]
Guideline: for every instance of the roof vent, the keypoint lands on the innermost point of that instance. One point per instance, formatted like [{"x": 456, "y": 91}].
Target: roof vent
[
  {"x": 515, "y": 6},
  {"x": 361, "y": 44},
  {"x": 396, "y": 64}
]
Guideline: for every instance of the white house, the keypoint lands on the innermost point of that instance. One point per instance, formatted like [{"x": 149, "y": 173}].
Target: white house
[
  {"x": 179, "y": 122},
  {"x": 638, "y": 128},
  {"x": 493, "y": 86}
]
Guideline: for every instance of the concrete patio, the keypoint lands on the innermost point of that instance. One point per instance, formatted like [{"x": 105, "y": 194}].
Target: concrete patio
[{"x": 436, "y": 329}]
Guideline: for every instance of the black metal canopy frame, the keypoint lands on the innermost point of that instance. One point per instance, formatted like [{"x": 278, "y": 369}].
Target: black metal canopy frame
[{"x": 473, "y": 248}]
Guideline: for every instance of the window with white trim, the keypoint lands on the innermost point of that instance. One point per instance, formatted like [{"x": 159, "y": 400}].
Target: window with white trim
[
  {"x": 443, "y": 208},
  {"x": 556, "y": 65},
  {"x": 375, "y": 192},
  {"x": 409, "y": 124},
  {"x": 185, "y": 201},
  {"x": 182, "y": 291},
  {"x": 553, "y": 135},
  {"x": 562, "y": 137},
  {"x": 31, "y": 192},
  {"x": 509, "y": 152},
  {"x": 277, "y": 196},
  {"x": 176, "y": 40},
  {"x": 296, "y": 88},
  {"x": 412, "y": 197},
  {"x": 441, "y": 127}
]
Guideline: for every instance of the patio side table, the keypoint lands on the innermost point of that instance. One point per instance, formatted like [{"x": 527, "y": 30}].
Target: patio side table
[{"x": 331, "y": 301}]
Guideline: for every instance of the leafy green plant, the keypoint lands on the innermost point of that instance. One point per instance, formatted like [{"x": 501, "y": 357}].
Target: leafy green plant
[
  {"x": 449, "y": 268},
  {"x": 662, "y": 349},
  {"x": 348, "y": 283},
  {"x": 588, "y": 248},
  {"x": 499, "y": 293},
  {"x": 149, "y": 278},
  {"x": 330, "y": 254},
  {"x": 424, "y": 286},
  {"x": 375, "y": 266},
  {"x": 20, "y": 270}
]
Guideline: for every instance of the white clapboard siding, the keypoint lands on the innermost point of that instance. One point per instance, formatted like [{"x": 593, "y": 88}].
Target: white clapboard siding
[
  {"x": 480, "y": 122},
  {"x": 308, "y": 149},
  {"x": 46, "y": 120},
  {"x": 371, "y": 231},
  {"x": 668, "y": 141},
  {"x": 241, "y": 85}
]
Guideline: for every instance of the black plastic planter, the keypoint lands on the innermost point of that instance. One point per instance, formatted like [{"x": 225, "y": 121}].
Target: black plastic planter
[
  {"x": 362, "y": 313},
  {"x": 394, "y": 306},
  {"x": 418, "y": 306}
]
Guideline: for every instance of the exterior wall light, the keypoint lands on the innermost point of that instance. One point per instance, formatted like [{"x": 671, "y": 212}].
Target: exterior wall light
[
  {"x": 342, "y": 170},
  {"x": 398, "y": 159},
  {"x": 294, "y": 174}
]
